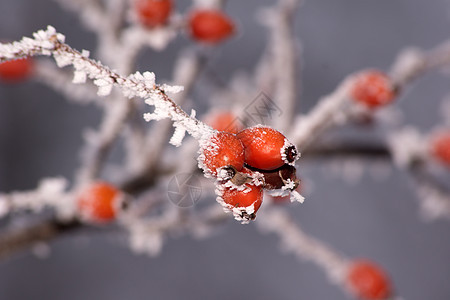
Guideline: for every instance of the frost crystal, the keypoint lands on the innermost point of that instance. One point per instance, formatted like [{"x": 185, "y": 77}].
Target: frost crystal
[
  {"x": 295, "y": 196},
  {"x": 406, "y": 145},
  {"x": 175, "y": 89},
  {"x": 79, "y": 77},
  {"x": 178, "y": 136}
]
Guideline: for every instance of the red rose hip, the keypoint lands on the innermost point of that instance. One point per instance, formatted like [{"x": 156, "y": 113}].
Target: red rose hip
[
  {"x": 372, "y": 88},
  {"x": 16, "y": 70},
  {"x": 210, "y": 26},
  {"x": 153, "y": 13},
  {"x": 440, "y": 147},
  {"x": 223, "y": 149},
  {"x": 244, "y": 203},
  {"x": 266, "y": 148},
  {"x": 99, "y": 202}
]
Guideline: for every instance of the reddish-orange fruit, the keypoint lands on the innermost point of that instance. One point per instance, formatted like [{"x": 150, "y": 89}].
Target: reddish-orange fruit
[
  {"x": 152, "y": 13},
  {"x": 244, "y": 203},
  {"x": 224, "y": 121},
  {"x": 210, "y": 26},
  {"x": 266, "y": 148},
  {"x": 221, "y": 150},
  {"x": 440, "y": 147},
  {"x": 98, "y": 203},
  {"x": 368, "y": 281},
  {"x": 16, "y": 70},
  {"x": 373, "y": 89}
]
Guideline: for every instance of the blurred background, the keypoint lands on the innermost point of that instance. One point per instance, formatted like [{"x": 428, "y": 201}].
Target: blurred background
[{"x": 378, "y": 218}]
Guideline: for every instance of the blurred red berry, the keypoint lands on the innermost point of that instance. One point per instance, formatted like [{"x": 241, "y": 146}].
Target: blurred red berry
[
  {"x": 98, "y": 203},
  {"x": 210, "y": 26},
  {"x": 224, "y": 121},
  {"x": 152, "y": 13},
  {"x": 440, "y": 147},
  {"x": 266, "y": 148},
  {"x": 368, "y": 281},
  {"x": 221, "y": 150},
  {"x": 16, "y": 70},
  {"x": 373, "y": 89}
]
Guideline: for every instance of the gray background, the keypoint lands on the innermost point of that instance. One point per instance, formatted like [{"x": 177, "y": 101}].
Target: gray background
[{"x": 40, "y": 136}]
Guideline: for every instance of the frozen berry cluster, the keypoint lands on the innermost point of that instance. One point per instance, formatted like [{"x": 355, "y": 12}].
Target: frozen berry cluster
[{"x": 246, "y": 163}]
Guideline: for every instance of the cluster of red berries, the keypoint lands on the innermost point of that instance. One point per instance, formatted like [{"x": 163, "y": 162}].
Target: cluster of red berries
[
  {"x": 100, "y": 202},
  {"x": 208, "y": 26},
  {"x": 373, "y": 89},
  {"x": 16, "y": 70},
  {"x": 368, "y": 281},
  {"x": 246, "y": 163},
  {"x": 440, "y": 147}
]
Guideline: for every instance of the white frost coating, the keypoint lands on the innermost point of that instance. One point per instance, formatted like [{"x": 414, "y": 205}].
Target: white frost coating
[
  {"x": 241, "y": 188},
  {"x": 408, "y": 63},
  {"x": 141, "y": 85},
  {"x": 157, "y": 38},
  {"x": 41, "y": 44},
  {"x": 206, "y": 145},
  {"x": 4, "y": 206},
  {"x": 296, "y": 197},
  {"x": 144, "y": 240},
  {"x": 175, "y": 89},
  {"x": 62, "y": 60},
  {"x": 208, "y": 4},
  {"x": 177, "y": 136},
  {"x": 324, "y": 115},
  {"x": 49, "y": 193},
  {"x": 104, "y": 86},
  {"x": 433, "y": 203},
  {"x": 79, "y": 77},
  {"x": 278, "y": 193},
  {"x": 406, "y": 145},
  {"x": 47, "y": 73}
]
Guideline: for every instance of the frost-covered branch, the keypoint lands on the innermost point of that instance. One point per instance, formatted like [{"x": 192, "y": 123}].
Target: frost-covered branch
[
  {"x": 335, "y": 108},
  {"x": 186, "y": 71},
  {"x": 283, "y": 58},
  {"x": 50, "y": 42},
  {"x": 147, "y": 235},
  {"x": 51, "y": 192},
  {"x": 61, "y": 81},
  {"x": 328, "y": 112},
  {"x": 303, "y": 246}
]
